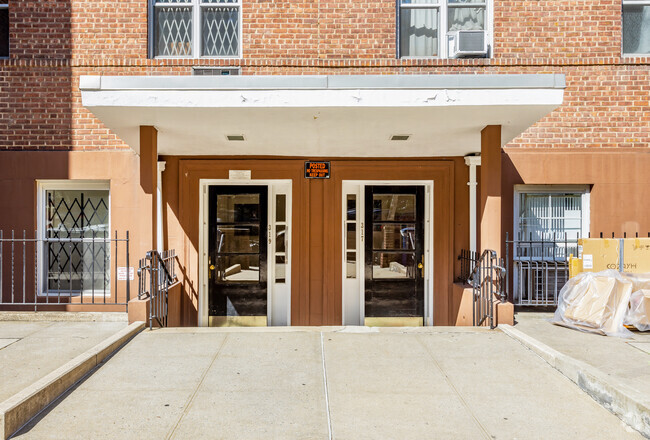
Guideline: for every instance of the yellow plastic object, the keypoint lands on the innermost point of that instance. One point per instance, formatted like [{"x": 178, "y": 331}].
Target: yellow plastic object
[{"x": 575, "y": 266}]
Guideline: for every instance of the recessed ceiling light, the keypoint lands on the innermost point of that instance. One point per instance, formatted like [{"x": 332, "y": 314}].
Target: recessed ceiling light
[
  {"x": 400, "y": 137},
  {"x": 235, "y": 137}
]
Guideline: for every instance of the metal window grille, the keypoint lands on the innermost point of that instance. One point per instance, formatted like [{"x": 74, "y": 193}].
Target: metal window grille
[
  {"x": 76, "y": 253},
  {"x": 196, "y": 28}
]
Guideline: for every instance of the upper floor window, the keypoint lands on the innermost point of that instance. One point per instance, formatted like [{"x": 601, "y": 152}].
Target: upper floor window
[
  {"x": 4, "y": 29},
  {"x": 196, "y": 28},
  {"x": 424, "y": 25},
  {"x": 636, "y": 26}
]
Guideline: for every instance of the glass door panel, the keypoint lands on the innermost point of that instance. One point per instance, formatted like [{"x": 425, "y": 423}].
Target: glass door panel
[
  {"x": 237, "y": 272},
  {"x": 394, "y": 249}
]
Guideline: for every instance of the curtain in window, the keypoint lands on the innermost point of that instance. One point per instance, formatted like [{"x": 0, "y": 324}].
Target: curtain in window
[
  {"x": 636, "y": 29},
  {"x": 419, "y": 32},
  {"x": 470, "y": 19}
]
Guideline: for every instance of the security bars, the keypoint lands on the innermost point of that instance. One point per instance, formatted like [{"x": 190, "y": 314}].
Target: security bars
[
  {"x": 91, "y": 269},
  {"x": 196, "y": 28}
]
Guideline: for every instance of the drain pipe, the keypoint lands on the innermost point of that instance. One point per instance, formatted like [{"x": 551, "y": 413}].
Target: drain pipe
[
  {"x": 159, "y": 215},
  {"x": 472, "y": 162}
]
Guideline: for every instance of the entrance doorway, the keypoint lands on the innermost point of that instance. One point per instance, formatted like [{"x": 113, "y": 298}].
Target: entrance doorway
[
  {"x": 394, "y": 255},
  {"x": 245, "y": 252},
  {"x": 387, "y": 253},
  {"x": 237, "y": 255}
]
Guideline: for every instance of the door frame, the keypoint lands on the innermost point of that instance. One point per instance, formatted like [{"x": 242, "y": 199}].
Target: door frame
[
  {"x": 279, "y": 292},
  {"x": 358, "y": 187}
]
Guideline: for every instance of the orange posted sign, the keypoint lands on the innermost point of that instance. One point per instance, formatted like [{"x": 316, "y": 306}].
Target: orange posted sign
[{"x": 317, "y": 170}]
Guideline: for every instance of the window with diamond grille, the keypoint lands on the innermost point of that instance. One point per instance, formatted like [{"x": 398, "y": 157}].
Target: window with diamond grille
[
  {"x": 196, "y": 28},
  {"x": 77, "y": 246}
]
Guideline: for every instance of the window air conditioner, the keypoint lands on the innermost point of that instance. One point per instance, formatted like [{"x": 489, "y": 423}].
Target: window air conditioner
[{"x": 467, "y": 44}]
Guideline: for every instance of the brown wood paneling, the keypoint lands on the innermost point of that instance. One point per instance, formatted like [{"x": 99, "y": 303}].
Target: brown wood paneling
[{"x": 316, "y": 236}]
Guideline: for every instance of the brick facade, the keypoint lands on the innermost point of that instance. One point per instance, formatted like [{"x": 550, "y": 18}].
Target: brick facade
[{"x": 52, "y": 43}]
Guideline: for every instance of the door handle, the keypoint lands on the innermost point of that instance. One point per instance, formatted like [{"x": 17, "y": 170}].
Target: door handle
[{"x": 421, "y": 267}]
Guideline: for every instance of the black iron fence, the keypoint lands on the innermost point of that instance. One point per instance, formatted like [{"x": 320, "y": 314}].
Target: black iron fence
[
  {"x": 468, "y": 260},
  {"x": 85, "y": 268},
  {"x": 540, "y": 265},
  {"x": 156, "y": 274},
  {"x": 488, "y": 281}
]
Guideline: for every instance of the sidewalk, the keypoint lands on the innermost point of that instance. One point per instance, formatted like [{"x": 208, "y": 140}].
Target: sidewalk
[
  {"x": 31, "y": 350},
  {"x": 624, "y": 360},
  {"x": 310, "y": 383},
  {"x": 614, "y": 371}
]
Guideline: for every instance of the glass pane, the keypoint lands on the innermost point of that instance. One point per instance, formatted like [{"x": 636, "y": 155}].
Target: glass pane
[
  {"x": 351, "y": 238},
  {"x": 4, "y": 32},
  {"x": 71, "y": 213},
  {"x": 238, "y": 208},
  {"x": 78, "y": 266},
  {"x": 451, "y": 2},
  {"x": 174, "y": 31},
  {"x": 419, "y": 32},
  {"x": 220, "y": 32},
  {"x": 280, "y": 268},
  {"x": 393, "y": 236},
  {"x": 173, "y": 1},
  {"x": 280, "y": 233},
  {"x": 219, "y": 1},
  {"x": 636, "y": 29},
  {"x": 237, "y": 268},
  {"x": 393, "y": 207},
  {"x": 470, "y": 19},
  {"x": 392, "y": 265},
  {"x": 281, "y": 208},
  {"x": 351, "y": 265},
  {"x": 352, "y": 207},
  {"x": 238, "y": 239}
]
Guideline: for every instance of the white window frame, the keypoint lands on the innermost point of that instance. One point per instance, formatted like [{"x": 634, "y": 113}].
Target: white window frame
[
  {"x": 5, "y": 5},
  {"x": 631, "y": 3},
  {"x": 196, "y": 7},
  {"x": 353, "y": 289},
  {"x": 43, "y": 186},
  {"x": 443, "y": 6},
  {"x": 583, "y": 190}
]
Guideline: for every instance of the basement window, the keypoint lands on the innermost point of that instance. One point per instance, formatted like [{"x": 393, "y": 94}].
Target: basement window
[
  {"x": 636, "y": 27},
  {"x": 195, "y": 28}
]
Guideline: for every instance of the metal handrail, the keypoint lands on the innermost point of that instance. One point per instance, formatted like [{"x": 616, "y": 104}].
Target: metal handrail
[
  {"x": 487, "y": 278},
  {"x": 161, "y": 278}
]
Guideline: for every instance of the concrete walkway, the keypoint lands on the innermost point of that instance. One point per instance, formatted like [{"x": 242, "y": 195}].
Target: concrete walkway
[
  {"x": 31, "y": 350},
  {"x": 343, "y": 383}
]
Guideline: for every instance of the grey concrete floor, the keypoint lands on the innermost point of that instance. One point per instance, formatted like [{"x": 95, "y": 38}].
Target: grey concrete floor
[
  {"x": 343, "y": 383},
  {"x": 626, "y": 360},
  {"x": 31, "y": 350}
]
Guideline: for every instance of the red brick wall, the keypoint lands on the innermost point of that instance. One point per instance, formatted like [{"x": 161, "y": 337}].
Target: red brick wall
[{"x": 55, "y": 41}]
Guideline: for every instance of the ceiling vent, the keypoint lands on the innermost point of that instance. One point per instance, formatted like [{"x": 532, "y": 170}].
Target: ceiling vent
[
  {"x": 236, "y": 137},
  {"x": 400, "y": 137}
]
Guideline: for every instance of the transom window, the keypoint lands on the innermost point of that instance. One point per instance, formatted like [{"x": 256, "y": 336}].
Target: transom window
[
  {"x": 196, "y": 28},
  {"x": 636, "y": 26},
  {"x": 420, "y": 23},
  {"x": 4, "y": 29}
]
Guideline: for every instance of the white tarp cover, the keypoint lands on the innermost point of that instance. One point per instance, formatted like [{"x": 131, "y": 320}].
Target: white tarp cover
[{"x": 595, "y": 302}]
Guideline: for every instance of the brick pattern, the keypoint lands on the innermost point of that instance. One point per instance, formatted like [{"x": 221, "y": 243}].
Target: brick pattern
[{"x": 53, "y": 42}]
